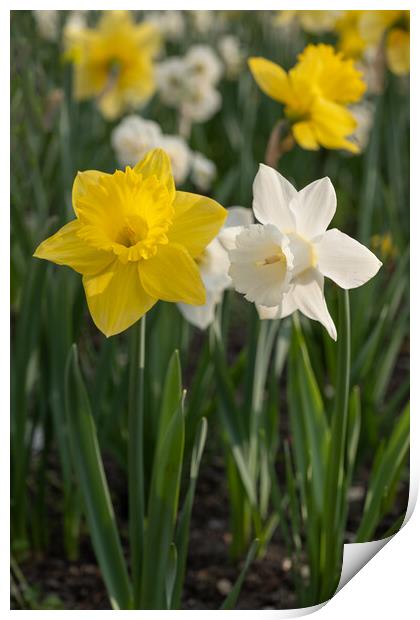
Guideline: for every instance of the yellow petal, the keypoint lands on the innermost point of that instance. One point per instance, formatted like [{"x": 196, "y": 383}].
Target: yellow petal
[
  {"x": 67, "y": 248},
  {"x": 332, "y": 124},
  {"x": 305, "y": 136},
  {"x": 111, "y": 104},
  {"x": 197, "y": 221},
  {"x": 172, "y": 275},
  {"x": 81, "y": 185},
  {"x": 336, "y": 79},
  {"x": 116, "y": 298},
  {"x": 398, "y": 51},
  {"x": 271, "y": 78},
  {"x": 157, "y": 163}
]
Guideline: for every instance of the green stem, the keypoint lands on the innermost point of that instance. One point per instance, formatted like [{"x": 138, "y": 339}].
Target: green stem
[
  {"x": 332, "y": 535},
  {"x": 135, "y": 453}
]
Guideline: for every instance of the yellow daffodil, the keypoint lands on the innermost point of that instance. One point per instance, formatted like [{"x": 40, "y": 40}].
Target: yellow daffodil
[
  {"x": 397, "y": 49},
  {"x": 114, "y": 62},
  {"x": 385, "y": 245},
  {"x": 134, "y": 240},
  {"x": 361, "y": 31},
  {"x": 315, "y": 94}
]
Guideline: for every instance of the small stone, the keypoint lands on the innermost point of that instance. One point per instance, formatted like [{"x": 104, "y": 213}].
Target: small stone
[
  {"x": 286, "y": 564},
  {"x": 305, "y": 572},
  {"x": 224, "y": 586},
  {"x": 355, "y": 494}
]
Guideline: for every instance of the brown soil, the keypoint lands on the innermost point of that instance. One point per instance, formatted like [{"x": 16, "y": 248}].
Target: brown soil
[{"x": 268, "y": 585}]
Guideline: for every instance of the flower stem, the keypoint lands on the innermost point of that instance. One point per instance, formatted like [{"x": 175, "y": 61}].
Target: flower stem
[
  {"x": 332, "y": 535},
  {"x": 136, "y": 452}
]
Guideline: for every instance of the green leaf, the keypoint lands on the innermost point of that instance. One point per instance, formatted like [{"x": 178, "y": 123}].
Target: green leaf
[
  {"x": 233, "y": 596},
  {"x": 162, "y": 511},
  {"x": 172, "y": 392},
  {"x": 171, "y": 574},
  {"x": 91, "y": 477},
  {"x": 384, "y": 476},
  {"x": 183, "y": 528}
]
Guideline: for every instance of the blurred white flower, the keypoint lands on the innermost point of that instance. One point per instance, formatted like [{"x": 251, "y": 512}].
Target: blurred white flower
[
  {"x": 75, "y": 22},
  {"x": 203, "y": 171},
  {"x": 170, "y": 79},
  {"x": 203, "y": 21},
  {"x": 214, "y": 267},
  {"x": 203, "y": 65},
  {"x": 170, "y": 23},
  {"x": 364, "y": 114},
  {"x": 179, "y": 154},
  {"x": 201, "y": 104},
  {"x": 48, "y": 24},
  {"x": 188, "y": 84},
  {"x": 230, "y": 50},
  {"x": 281, "y": 263},
  {"x": 133, "y": 138}
]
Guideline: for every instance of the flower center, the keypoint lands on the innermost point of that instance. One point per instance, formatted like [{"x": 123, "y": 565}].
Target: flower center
[
  {"x": 135, "y": 229},
  {"x": 279, "y": 257}
]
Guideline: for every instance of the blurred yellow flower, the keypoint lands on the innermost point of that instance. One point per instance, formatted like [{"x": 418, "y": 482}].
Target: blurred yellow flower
[
  {"x": 114, "y": 62},
  {"x": 360, "y": 31},
  {"x": 315, "y": 94},
  {"x": 397, "y": 49},
  {"x": 385, "y": 245},
  {"x": 134, "y": 240},
  {"x": 314, "y": 22}
]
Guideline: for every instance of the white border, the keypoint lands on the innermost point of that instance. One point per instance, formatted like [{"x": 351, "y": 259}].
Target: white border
[{"x": 387, "y": 586}]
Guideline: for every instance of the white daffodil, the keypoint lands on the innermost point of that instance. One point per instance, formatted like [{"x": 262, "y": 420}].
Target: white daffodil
[
  {"x": 179, "y": 154},
  {"x": 230, "y": 50},
  {"x": 364, "y": 114},
  {"x": 170, "y": 80},
  {"x": 280, "y": 264},
  {"x": 203, "y": 171},
  {"x": 133, "y": 138},
  {"x": 170, "y": 23},
  {"x": 47, "y": 23},
  {"x": 214, "y": 267},
  {"x": 203, "y": 65}
]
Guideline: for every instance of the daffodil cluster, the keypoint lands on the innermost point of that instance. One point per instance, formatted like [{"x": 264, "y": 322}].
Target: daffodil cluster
[
  {"x": 114, "y": 62},
  {"x": 315, "y": 94},
  {"x": 135, "y": 240}
]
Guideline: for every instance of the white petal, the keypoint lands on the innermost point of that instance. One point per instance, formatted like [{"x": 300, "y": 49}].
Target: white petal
[
  {"x": 309, "y": 297},
  {"x": 227, "y": 236},
  {"x": 345, "y": 260},
  {"x": 261, "y": 264},
  {"x": 314, "y": 208},
  {"x": 201, "y": 316},
  {"x": 264, "y": 312},
  {"x": 214, "y": 267},
  {"x": 239, "y": 216},
  {"x": 272, "y": 197},
  {"x": 288, "y": 305}
]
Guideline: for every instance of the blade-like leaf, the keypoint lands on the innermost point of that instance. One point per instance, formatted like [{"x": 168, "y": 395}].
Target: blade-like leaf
[{"x": 91, "y": 477}]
